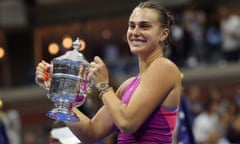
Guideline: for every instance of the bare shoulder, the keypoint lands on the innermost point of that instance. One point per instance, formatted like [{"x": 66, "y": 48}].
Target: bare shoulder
[
  {"x": 163, "y": 70},
  {"x": 166, "y": 67},
  {"x": 166, "y": 62}
]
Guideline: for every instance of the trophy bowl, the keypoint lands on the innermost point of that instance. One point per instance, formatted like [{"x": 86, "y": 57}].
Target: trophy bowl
[{"x": 69, "y": 84}]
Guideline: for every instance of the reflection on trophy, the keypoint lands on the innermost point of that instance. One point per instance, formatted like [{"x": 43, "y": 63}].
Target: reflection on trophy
[{"x": 69, "y": 84}]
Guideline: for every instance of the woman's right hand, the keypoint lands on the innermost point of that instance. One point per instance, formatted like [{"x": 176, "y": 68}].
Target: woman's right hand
[{"x": 43, "y": 74}]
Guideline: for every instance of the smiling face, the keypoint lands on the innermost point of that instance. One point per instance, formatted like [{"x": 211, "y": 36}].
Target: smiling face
[{"x": 144, "y": 33}]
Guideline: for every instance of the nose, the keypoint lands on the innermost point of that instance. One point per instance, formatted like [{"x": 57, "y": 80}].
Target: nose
[{"x": 136, "y": 31}]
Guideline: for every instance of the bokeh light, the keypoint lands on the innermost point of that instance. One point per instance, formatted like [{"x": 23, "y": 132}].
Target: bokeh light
[
  {"x": 2, "y": 53},
  {"x": 67, "y": 42},
  {"x": 82, "y": 45},
  {"x": 53, "y": 48}
]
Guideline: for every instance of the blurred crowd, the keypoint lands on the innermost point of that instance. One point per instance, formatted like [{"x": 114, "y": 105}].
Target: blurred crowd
[
  {"x": 206, "y": 36},
  {"x": 214, "y": 113}
]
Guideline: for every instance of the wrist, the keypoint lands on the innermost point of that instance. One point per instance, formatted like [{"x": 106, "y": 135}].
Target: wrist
[
  {"x": 102, "y": 86},
  {"x": 101, "y": 93}
]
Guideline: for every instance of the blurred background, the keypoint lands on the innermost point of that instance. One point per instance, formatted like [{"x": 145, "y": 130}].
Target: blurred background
[{"x": 205, "y": 45}]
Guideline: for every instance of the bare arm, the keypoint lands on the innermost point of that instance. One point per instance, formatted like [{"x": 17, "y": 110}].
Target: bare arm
[
  {"x": 91, "y": 130},
  {"x": 158, "y": 81}
]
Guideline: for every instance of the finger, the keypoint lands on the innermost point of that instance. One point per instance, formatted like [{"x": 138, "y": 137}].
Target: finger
[
  {"x": 93, "y": 70},
  {"x": 39, "y": 71},
  {"x": 98, "y": 60},
  {"x": 40, "y": 80},
  {"x": 42, "y": 71},
  {"x": 45, "y": 69},
  {"x": 46, "y": 76},
  {"x": 44, "y": 62},
  {"x": 92, "y": 65},
  {"x": 47, "y": 66},
  {"x": 42, "y": 66},
  {"x": 39, "y": 74}
]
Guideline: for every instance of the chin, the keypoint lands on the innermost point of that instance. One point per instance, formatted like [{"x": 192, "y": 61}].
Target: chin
[{"x": 136, "y": 51}]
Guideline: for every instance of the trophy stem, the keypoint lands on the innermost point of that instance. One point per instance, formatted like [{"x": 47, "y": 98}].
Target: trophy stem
[{"x": 63, "y": 111}]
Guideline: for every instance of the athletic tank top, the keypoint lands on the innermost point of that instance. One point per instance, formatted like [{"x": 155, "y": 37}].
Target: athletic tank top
[{"x": 157, "y": 129}]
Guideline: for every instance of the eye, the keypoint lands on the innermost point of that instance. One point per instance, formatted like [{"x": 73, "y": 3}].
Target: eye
[
  {"x": 131, "y": 25},
  {"x": 144, "y": 25}
]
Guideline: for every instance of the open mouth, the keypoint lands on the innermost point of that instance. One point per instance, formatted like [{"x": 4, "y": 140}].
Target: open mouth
[{"x": 137, "y": 42}]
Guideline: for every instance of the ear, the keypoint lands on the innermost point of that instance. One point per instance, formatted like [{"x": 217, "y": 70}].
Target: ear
[{"x": 164, "y": 34}]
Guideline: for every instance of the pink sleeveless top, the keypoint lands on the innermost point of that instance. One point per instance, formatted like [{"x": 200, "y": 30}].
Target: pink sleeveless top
[{"x": 157, "y": 129}]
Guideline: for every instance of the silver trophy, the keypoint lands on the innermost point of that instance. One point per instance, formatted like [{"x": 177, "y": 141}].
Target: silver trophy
[{"x": 69, "y": 84}]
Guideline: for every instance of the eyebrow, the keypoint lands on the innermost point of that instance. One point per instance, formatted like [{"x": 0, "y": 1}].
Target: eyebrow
[{"x": 141, "y": 22}]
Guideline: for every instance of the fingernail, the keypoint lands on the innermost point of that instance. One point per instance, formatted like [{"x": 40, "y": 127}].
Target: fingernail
[{"x": 46, "y": 76}]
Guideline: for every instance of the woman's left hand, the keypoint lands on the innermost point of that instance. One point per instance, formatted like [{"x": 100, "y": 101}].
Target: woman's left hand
[{"x": 98, "y": 71}]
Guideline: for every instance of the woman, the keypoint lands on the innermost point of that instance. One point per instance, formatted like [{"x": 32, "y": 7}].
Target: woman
[{"x": 144, "y": 108}]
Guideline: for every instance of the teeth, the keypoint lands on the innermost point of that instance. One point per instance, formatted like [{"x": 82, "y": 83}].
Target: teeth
[{"x": 137, "y": 43}]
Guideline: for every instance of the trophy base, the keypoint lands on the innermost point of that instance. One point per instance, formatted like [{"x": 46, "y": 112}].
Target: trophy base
[{"x": 61, "y": 115}]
